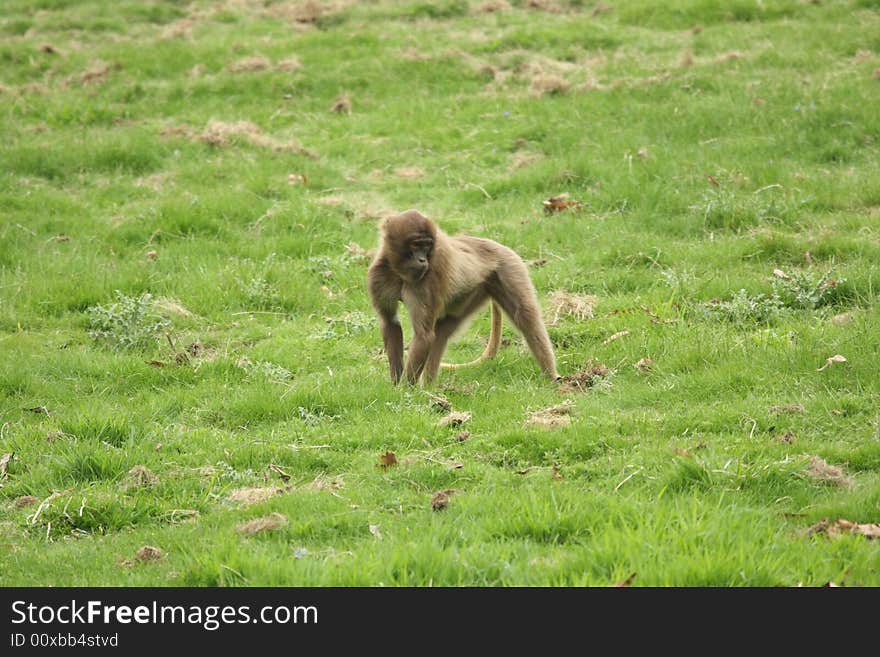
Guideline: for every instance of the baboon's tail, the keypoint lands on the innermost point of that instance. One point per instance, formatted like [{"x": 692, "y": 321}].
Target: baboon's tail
[{"x": 491, "y": 346}]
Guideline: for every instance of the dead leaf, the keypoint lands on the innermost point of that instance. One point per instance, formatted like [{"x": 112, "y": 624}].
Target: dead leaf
[
  {"x": 281, "y": 473},
  {"x": 454, "y": 419},
  {"x": 461, "y": 436},
  {"x": 4, "y": 463},
  {"x": 537, "y": 262},
  {"x": 823, "y": 471},
  {"x": 559, "y": 203},
  {"x": 644, "y": 365},
  {"x": 265, "y": 524},
  {"x": 626, "y": 583},
  {"x": 614, "y": 337},
  {"x": 25, "y": 500},
  {"x": 148, "y": 553},
  {"x": 61, "y": 238},
  {"x": 552, "y": 417},
  {"x": 297, "y": 179},
  {"x": 155, "y": 363},
  {"x": 49, "y": 49},
  {"x": 554, "y": 472},
  {"x": 440, "y": 499},
  {"x": 712, "y": 180},
  {"x": 374, "y": 530},
  {"x": 842, "y": 526},
  {"x": 388, "y": 459},
  {"x": 831, "y": 360}
]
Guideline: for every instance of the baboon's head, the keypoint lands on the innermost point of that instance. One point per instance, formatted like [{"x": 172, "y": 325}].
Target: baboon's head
[{"x": 409, "y": 240}]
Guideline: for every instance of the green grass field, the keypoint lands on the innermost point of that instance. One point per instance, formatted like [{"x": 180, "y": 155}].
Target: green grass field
[{"x": 235, "y": 418}]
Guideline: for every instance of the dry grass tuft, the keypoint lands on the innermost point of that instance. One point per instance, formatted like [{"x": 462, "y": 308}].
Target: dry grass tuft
[
  {"x": 549, "y": 84},
  {"x": 140, "y": 476},
  {"x": 342, "y": 105},
  {"x": 454, "y": 419},
  {"x": 552, "y": 417},
  {"x": 249, "y": 496},
  {"x": 409, "y": 173},
  {"x": 566, "y": 304},
  {"x": 250, "y": 64},
  {"x": 821, "y": 470},
  {"x": 265, "y": 524}
]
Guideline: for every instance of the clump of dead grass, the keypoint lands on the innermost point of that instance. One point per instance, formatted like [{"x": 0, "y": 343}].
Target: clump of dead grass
[
  {"x": 566, "y": 304},
  {"x": 272, "y": 522},
  {"x": 250, "y": 64},
  {"x": 140, "y": 476},
  {"x": 820, "y": 470},
  {"x": 254, "y": 495},
  {"x": 409, "y": 173},
  {"x": 595, "y": 374},
  {"x": 454, "y": 419},
  {"x": 552, "y": 417},
  {"x": 222, "y": 133},
  {"x": 549, "y": 83},
  {"x": 342, "y": 105}
]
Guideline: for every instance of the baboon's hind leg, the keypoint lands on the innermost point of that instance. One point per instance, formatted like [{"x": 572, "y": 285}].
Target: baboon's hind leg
[{"x": 512, "y": 289}]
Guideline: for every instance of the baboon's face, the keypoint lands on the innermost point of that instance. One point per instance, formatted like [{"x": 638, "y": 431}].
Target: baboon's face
[
  {"x": 411, "y": 238},
  {"x": 412, "y": 258}
]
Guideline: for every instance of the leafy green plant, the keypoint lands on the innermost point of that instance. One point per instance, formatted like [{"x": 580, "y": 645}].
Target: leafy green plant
[
  {"x": 261, "y": 294},
  {"x": 745, "y": 309},
  {"x": 128, "y": 323},
  {"x": 799, "y": 289}
]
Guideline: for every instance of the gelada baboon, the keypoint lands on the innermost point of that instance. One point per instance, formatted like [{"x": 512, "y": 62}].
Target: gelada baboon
[{"x": 443, "y": 281}]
